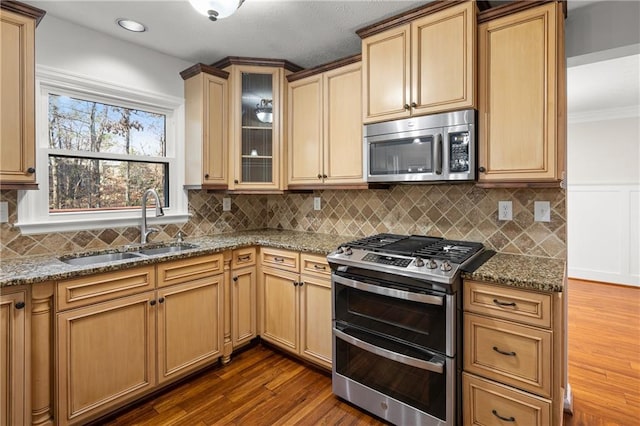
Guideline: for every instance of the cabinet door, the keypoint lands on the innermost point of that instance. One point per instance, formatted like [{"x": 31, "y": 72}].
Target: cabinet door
[
  {"x": 13, "y": 352},
  {"x": 443, "y": 60},
  {"x": 343, "y": 124},
  {"x": 189, "y": 326},
  {"x": 518, "y": 96},
  {"x": 315, "y": 320},
  {"x": 386, "y": 72},
  {"x": 215, "y": 138},
  {"x": 105, "y": 356},
  {"x": 17, "y": 113},
  {"x": 305, "y": 130},
  {"x": 280, "y": 311},
  {"x": 243, "y": 305}
]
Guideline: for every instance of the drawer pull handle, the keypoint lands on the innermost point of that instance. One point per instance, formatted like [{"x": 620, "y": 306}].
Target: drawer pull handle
[
  {"x": 278, "y": 259},
  {"x": 495, "y": 348},
  {"x": 243, "y": 258},
  {"x": 320, "y": 267},
  {"x": 499, "y": 303},
  {"x": 504, "y": 419},
  {"x": 20, "y": 305}
]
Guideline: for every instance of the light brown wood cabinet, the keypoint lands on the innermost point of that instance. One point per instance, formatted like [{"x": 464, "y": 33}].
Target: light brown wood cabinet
[
  {"x": 17, "y": 95},
  {"x": 206, "y": 127},
  {"x": 14, "y": 356},
  {"x": 325, "y": 128},
  {"x": 522, "y": 108},
  {"x": 513, "y": 355},
  {"x": 424, "y": 66},
  {"x": 296, "y": 305},
  {"x": 243, "y": 296}
]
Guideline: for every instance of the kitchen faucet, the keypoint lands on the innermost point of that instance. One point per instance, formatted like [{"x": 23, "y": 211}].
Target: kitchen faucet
[{"x": 144, "y": 231}]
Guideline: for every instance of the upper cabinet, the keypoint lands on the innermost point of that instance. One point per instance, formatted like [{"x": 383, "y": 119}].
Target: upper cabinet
[
  {"x": 325, "y": 126},
  {"x": 256, "y": 122},
  {"x": 425, "y": 63},
  {"x": 206, "y": 126},
  {"x": 17, "y": 99},
  {"x": 522, "y": 108}
]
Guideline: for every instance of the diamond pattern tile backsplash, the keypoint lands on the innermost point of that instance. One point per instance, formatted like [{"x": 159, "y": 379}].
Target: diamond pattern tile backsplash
[{"x": 461, "y": 211}]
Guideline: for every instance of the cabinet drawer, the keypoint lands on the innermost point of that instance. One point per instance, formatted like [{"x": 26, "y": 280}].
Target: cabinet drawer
[
  {"x": 314, "y": 264},
  {"x": 96, "y": 288},
  {"x": 243, "y": 257},
  {"x": 484, "y": 402},
  {"x": 514, "y": 354},
  {"x": 183, "y": 270},
  {"x": 508, "y": 303},
  {"x": 281, "y": 259}
]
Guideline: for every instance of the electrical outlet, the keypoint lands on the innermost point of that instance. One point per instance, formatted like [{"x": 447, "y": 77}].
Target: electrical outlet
[
  {"x": 226, "y": 204},
  {"x": 505, "y": 210},
  {"x": 542, "y": 211},
  {"x": 4, "y": 212},
  {"x": 317, "y": 203}
]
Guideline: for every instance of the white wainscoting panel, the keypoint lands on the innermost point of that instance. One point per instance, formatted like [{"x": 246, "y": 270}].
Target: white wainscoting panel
[{"x": 604, "y": 233}]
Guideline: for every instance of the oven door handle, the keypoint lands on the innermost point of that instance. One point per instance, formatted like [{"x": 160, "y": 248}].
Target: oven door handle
[
  {"x": 390, "y": 292},
  {"x": 436, "y": 367}
]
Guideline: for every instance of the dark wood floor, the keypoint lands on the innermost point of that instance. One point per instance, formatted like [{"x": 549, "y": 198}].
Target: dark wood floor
[{"x": 264, "y": 387}]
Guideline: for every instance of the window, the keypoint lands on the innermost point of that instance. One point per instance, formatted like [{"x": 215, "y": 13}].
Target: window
[{"x": 99, "y": 148}]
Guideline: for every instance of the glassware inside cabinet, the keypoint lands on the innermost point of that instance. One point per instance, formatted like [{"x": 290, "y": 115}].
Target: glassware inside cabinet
[{"x": 257, "y": 130}]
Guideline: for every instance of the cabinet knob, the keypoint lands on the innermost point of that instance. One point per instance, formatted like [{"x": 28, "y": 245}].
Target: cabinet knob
[
  {"x": 161, "y": 300},
  {"x": 295, "y": 283},
  {"x": 301, "y": 283},
  {"x": 482, "y": 169},
  {"x": 19, "y": 305},
  {"x": 235, "y": 278},
  {"x": 31, "y": 170},
  {"x": 236, "y": 181},
  {"x": 414, "y": 105},
  {"x": 152, "y": 302},
  {"x": 407, "y": 107},
  {"x": 319, "y": 176},
  {"x": 325, "y": 176},
  {"x": 206, "y": 176}
]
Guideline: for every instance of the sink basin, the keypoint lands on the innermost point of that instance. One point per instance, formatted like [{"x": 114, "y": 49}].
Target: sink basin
[
  {"x": 99, "y": 258},
  {"x": 167, "y": 249}
]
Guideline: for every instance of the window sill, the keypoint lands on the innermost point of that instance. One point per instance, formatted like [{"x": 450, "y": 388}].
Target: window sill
[{"x": 68, "y": 225}]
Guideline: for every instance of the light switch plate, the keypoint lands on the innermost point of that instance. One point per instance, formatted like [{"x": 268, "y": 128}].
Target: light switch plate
[
  {"x": 505, "y": 210},
  {"x": 317, "y": 203},
  {"x": 542, "y": 211},
  {"x": 226, "y": 204},
  {"x": 4, "y": 212}
]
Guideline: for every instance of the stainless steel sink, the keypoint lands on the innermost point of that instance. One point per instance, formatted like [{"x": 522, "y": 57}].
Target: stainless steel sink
[
  {"x": 167, "y": 249},
  {"x": 99, "y": 258}
]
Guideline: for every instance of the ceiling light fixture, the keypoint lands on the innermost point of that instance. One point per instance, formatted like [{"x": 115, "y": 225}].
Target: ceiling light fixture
[
  {"x": 216, "y": 9},
  {"x": 131, "y": 25},
  {"x": 264, "y": 111}
]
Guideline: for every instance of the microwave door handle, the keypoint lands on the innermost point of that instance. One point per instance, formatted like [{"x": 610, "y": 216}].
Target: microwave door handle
[
  {"x": 390, "y": 292},
  {"x": 438, "y": 153},
  {"x": 436, "y": 367}
]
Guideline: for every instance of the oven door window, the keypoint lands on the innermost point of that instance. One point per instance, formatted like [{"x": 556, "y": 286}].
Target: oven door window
[
  {"x": 414, "y": 385},
  {"x": 417, "y": 323},
  {"x": 413, "y": 155}
]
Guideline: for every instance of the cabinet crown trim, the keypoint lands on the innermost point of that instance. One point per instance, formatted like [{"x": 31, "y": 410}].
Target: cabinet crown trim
[
  {"x": 324, "y": 67},
  {"x": 262, "y": 62},
  {"x": 199, "y": 68},
  {"x": 23, "y": 9},
  {"x": 516, "y": 6}
]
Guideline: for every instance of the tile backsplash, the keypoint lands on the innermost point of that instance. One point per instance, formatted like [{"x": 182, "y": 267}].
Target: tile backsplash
[{"x": 456, "y": 211}]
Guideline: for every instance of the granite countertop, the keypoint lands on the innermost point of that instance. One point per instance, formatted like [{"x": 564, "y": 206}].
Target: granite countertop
[
  {"x": 36, "y": 269},
  {"x": 533, "y": 273}
]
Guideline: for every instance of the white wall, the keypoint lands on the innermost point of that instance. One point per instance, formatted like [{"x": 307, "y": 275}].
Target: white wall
[{"x": 72, "y": 48}]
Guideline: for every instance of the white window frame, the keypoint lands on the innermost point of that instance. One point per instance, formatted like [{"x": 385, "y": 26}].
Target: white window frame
[{"x": 33, "y": 205}]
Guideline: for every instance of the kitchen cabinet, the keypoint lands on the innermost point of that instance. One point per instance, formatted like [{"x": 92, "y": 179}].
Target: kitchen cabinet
[
  {"x": 243, "y": 296},
  {"x": 425, "y": 63},
  {"x": 133, "y": 330},
  {"x": 206, "y": 127},
  {"x": 513, "y": 355},
  {"x": 296, "y": 305},
  {"x": 14, "y": 356},
  {"x": 17, "y": 95},
  {"x": 256, "y": 122},
  {"x": 325, "y": 129},
  {"x": 522, "y": 108}
]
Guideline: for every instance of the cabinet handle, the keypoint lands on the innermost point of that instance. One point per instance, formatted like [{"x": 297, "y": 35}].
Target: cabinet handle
[
  {"x": 320, "y": 267},
  {"x": 152, "y": 302},
  {"x": 407, "y": 107},
  {"x": 504, "y": 419},
  {"x": 482, "y": 169},
  {"x": 295, "y": 284},
  {"x": 319, "y": 176},
  {"x": 19, "y": 305},
  {"x": 31, "y": 170},
  {"x": 414, "y": 105},
  {"x": 236, "y": 181},
  {"x": 278, "y": 259},
  {"x": 206, "y": 176},
  {"x": 325, "y": 176},
  {"x": 499, "y": 303},
  {"x": 243, "y": 258},
  {"x": 161, "y": 300},
  {"x": 301, "y": 283},
  {"x": 495, "y": 348},
  {"x": 235, "y": 279}
]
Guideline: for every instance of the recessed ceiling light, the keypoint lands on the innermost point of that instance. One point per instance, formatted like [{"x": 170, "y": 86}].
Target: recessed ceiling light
[{"x": 131, "y": 25}]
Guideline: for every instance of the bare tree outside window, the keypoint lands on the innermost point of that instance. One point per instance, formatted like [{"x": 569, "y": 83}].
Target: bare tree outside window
[{"x": 103, "y": 157}]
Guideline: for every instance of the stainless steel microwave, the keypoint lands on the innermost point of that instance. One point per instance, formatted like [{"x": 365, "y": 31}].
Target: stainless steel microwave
[{"x": 431, "y": 148}]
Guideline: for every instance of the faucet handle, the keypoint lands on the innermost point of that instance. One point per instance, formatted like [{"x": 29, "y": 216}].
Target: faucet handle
[{"x": 179, "y": 237}]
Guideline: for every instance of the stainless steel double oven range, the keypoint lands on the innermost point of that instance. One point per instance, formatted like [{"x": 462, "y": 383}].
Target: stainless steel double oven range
[{"x": 396, "y": 327}]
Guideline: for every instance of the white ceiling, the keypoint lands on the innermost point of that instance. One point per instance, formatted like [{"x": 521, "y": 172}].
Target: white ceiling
[{"x": 305, "y": 32}]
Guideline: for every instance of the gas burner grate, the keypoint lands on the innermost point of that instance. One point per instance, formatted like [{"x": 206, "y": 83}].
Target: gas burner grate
[
  {"x": 453, "y": 251},
  {"x": 376, "y": 241}
]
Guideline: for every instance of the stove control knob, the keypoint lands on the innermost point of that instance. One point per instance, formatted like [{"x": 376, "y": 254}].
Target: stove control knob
[
  {"x": 431, "y": 264},
  {"x": 419, "y": 262},
  {"x": 446, "y": 266},
  {"x": 340, "y": 250},
  {"x": 346, "y": 250}
]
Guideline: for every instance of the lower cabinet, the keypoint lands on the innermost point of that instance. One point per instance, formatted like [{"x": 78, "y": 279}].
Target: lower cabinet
[
  {"x": 243, "y": 296},
  {"x": 14, "y": 350},
  {"x": 296, "y": 304}
]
